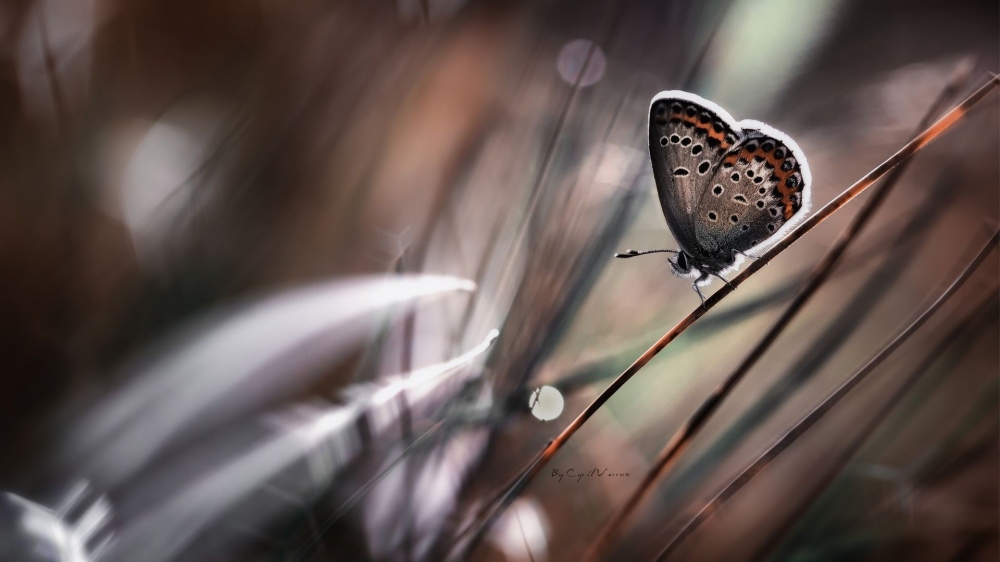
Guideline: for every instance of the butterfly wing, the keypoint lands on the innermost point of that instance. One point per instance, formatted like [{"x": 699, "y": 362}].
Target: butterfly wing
[
  {"x": 760, "y": 190},
  {"x": 688, "y": 137}
]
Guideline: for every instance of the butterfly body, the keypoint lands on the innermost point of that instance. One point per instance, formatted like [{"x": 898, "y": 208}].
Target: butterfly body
[{"x": 726, "y": 188}]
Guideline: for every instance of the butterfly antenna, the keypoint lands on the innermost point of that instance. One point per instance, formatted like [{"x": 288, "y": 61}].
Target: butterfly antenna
[{"x": 634, "y": 253}]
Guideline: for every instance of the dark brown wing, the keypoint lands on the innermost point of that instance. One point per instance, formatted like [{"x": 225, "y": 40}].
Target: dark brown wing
[
  {"x": 688, "y": 137},
  {"x": 760, "y": 191}
]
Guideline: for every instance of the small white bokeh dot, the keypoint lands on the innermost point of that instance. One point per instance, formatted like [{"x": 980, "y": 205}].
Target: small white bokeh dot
[
  {"x": 523, "y": 531},
  {"x": 573, "y": 56},
  {"x": 546, "y": 403}
]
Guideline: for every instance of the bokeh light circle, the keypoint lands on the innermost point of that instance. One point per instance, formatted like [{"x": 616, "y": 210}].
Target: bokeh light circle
[
  {"x": 573, "y": 56},
  {"x": 546, "y": 403}
]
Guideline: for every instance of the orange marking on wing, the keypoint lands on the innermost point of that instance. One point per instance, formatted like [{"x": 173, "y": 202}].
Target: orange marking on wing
[
  {"x": 710, "y": 132},
  {"x": 785, "y": 191}
]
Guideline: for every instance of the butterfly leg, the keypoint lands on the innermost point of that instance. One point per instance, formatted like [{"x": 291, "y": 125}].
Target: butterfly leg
[
  {"x": 697, "y": 289},
  {"x": 724, "y": 280},
  {"x": 746, "y": 255}
]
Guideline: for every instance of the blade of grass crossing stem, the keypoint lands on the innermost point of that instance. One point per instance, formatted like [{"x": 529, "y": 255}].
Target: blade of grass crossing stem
[{"x": 680, "y": 440}]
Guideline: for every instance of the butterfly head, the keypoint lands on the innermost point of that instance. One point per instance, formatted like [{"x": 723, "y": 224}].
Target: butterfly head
[{"x": 681, "y": 265}]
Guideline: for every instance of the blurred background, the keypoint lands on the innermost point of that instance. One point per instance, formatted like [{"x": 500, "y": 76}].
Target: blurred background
[{"x": 289, "y": 281}]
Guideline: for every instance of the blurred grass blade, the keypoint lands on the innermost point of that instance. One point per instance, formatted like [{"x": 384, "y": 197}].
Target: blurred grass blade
[
  {"x": 234, "y": 363},
  {"x": 328, "y": 438}
]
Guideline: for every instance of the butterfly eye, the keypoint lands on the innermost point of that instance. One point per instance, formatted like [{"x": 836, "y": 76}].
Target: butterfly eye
[
  {"x": 705, "y": 117},
  {"x": 770, "y": 227},
  {"x": 768, "y": 146},
  {"x": 760, "y": 204},
  {"x": 792, "y": 181},
  {"x": 752, "y": 147},
  {"x": 734, "y": 219},
  {"x": 676, "y": 107},
  {"x": 685, "y": 141},
  {"x": 717, "y": 190},
  {"x": 759, "y": 179},
  {"x": 779, "y": 153},
  {"x": 735, "y": 176},
  {"x": 703, "y": 167},
  {"x": 787, "y": 165},
  {"x": 749, "y": 173},
  {"x": 663, "y": 141},
  {"x": 774, "y": 211},
  {"x": 675, "y": 139},
  {"x": 691, "y": 111},
  {"x": 680, "y": 171},
  {"x": 762, "y": 190},
  {"x": 712, "y": 216},
  {"x": 696, "y": 149}
]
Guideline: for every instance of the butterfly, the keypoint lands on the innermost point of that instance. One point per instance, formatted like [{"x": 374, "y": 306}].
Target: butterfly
[{"x": 728, "y": 189}]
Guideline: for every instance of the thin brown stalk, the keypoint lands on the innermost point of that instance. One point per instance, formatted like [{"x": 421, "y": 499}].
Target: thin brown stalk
[
  {"x": 957, "y": 332},
  {"x": 535, "y": 192},
  {"x": 534, "y": 195},
  {"x": 687, "y": 432},
  {"x": 833, "y": 206},
  {"x": 834, "y": 467}
]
